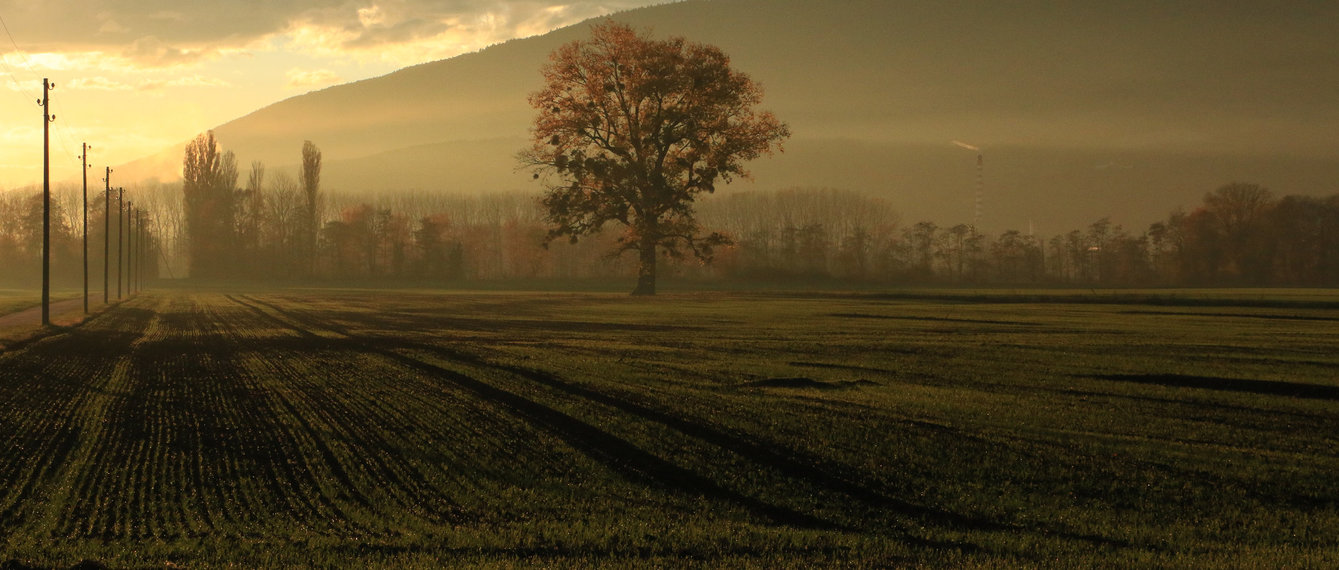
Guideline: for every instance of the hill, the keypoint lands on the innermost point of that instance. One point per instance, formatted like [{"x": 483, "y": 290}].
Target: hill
[{"x": 1124, "y": 110}]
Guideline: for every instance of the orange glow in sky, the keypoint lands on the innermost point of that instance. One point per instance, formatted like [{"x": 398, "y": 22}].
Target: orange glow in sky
[{"x": 133, "y": 78}]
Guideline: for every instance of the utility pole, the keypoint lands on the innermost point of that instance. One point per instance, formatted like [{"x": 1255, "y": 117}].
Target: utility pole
[
  {"x": 107, "y": 236},
  {"x": 85, "y": 250},
  {"x": 144, "y": 252},
  {"x": 130, "y": 248},
  {"x": 133, "y": 252},
  {"x": 139, "y": 269},
  {"x": 45, "y": 102},
  {"x": 120, "y": 231},
  {"x": 130, "y": 245}
]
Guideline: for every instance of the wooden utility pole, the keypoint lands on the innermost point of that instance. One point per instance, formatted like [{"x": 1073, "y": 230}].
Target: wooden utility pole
[
  {"x": 130, "y": 246},
  {"x": 85, "y": 249},
  {"x": 144, "y": 252},
  {"x": 132, "y": 242},
  {"x": 139, "y": 269},
  {"x": 107, "y": 237},
  {"x": 45, "y": 102},
  {"x": 120, "y": 231}
]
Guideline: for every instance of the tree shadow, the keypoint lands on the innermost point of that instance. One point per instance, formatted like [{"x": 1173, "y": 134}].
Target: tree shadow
[
  {"x": 619, "y": 455},
  {"x": 635, "y": 463},
  {"x": 1268, "y": 387}
]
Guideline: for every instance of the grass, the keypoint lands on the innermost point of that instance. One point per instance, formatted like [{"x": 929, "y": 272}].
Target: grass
[
  {"x": 417, "y": 428},
  {"x": 18, "y": 327},
  {"x": 13, "y": 300}
]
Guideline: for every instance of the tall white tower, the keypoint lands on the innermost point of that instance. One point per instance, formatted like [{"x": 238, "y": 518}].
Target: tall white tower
[{"x": 980, "y": 179}]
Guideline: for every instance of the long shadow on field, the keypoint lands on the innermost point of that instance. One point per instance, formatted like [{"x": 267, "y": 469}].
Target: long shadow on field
[
  {"x": 555, "y": 325},
  {"x": 930, "y": 319},
  {"x": 791, "y": 463},
  {"x": 636, "y": 556},
  {"x": 242, "y": 428},
  {"x": 48, "y": 382},
  {"x": 1074, "y": 298},
  {"x": 104, "y": 340},
  {"x": 1235, "y": 316},
  {"x": 621, "y": 456},
  {"x": 1269, "y": 387}
]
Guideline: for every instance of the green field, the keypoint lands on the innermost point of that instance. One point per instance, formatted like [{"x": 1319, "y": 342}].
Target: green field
[
  {"x": 716, "y": 429},
  {"x": 12, "y": 300}
]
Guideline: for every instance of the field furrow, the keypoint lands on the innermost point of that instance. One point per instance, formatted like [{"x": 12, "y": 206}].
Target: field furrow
[
  {"x": 634, "y": 463},
  {"x": 376, "y": 419},
  {"x": 422, "y": 429},
  {"x": 71, "y": 389},
  {"x": 621, "y": 455}
]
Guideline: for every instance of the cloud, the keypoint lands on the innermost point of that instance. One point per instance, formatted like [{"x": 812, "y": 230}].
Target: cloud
[
  {"x": 1112, "y": 165},
  {"x": 149, "y": 51},
  {"x": 407, "y": 32},
  {"x": 371, "y": 16},
  {"x": 44, "y": 61},
  {"x": 100, "y": 84},
  {"x": 163, "y": 34},
  {"x": 190, "y": 81},
  {"x": 402, "y": 32},
  {"x": 112, "y": 27},
  {"x": 307, "y": 79},
  {"x": 198, "y": 81},
  {"x": 21, "y": 135}
]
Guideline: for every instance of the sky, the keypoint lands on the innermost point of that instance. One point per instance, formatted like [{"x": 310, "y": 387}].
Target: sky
[{"x": 133, "y": 77}]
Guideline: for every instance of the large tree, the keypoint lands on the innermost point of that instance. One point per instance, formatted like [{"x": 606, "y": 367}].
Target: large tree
[
  {"x": 632, "y": 129},
  {"x": 1241, "y": 211},
  {"x": 208, "y": 181}
]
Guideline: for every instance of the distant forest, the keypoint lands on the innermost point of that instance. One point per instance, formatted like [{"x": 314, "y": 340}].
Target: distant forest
[{"x": 1240, "y": 235}]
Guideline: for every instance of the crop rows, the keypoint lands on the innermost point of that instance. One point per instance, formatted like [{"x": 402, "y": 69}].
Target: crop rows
[
  {"x": 215, "y": 428},
  {"x": 402, "y": 428}
]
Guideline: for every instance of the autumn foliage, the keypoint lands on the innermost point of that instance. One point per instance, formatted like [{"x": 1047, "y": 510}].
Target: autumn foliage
[{"x": 632, "y": 129}]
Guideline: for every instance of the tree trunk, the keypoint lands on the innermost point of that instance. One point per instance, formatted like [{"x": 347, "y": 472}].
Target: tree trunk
[{"x": 646, "y": 269}]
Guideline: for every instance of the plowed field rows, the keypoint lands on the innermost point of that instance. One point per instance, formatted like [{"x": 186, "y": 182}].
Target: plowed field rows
[{"x": 394, "y": 428}]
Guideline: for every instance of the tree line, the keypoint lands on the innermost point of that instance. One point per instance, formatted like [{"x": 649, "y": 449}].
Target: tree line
[
  {"x": 1239, "y": 235},
  {"x": 21, "y": 237}
]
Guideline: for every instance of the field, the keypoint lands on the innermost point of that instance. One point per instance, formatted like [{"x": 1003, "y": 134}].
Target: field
[
  {"x": 21, "y": 312},
  {"x": 417, "y": 429}
]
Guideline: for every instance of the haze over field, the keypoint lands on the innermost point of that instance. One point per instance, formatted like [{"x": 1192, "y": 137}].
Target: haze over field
[
  {"x": 457, "y": 283},
  {"x": 1083, "y": 111}
]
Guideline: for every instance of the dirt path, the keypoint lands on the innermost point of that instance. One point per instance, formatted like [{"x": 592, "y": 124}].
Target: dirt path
[{"x": 20, "y": 324}]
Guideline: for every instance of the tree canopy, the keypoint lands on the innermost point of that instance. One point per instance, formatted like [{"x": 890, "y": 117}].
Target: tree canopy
[
  {"x": 208, "y": 180},
  {"x": 632, "y": 129}
]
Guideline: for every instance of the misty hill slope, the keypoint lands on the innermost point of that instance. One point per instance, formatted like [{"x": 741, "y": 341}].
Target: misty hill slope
[{"x": 1126, "y": 109}]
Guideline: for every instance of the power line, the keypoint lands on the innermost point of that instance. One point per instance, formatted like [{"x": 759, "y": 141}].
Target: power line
[
  {"x": 62, "y": 138},
  {"x": 12, "y": 76},
  {"x": 17, "y": 52}
]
